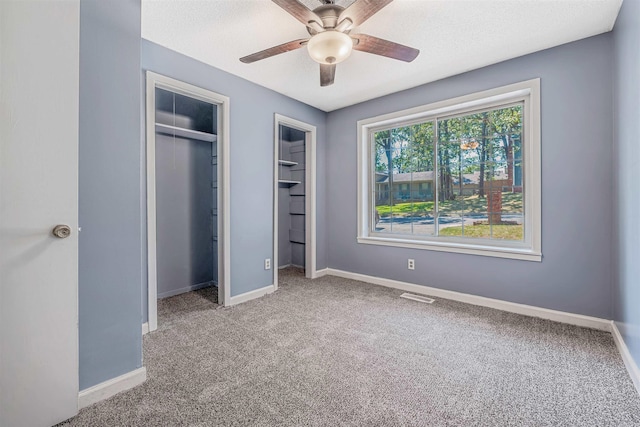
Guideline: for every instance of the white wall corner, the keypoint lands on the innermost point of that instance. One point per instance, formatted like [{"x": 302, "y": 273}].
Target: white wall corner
[
  {"x": 111, "y": 387},
  {"x": 629, "y": 362},
  {"x": 145, "y": 328}
]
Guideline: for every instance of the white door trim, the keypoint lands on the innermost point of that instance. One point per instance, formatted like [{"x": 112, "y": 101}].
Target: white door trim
[
  {"x": 155, "y": 80},
  {"x": 310, "y": 193}
]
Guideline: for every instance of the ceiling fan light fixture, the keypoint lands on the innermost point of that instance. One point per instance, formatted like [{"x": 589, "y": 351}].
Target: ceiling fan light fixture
[{"x": 330, "y": 47}]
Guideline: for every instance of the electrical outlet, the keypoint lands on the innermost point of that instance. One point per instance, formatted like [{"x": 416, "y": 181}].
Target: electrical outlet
[
  {"x": 411, "y": 264},
  {"x": 267, "y": 264}
]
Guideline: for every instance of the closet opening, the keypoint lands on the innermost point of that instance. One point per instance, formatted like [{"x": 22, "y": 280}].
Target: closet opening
[
  {"x": 294, "y": 196},
  {"x": 187, "y": 188}
]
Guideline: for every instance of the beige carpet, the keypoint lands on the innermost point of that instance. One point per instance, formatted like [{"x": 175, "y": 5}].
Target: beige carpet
[{"x": 334, "y": 352}]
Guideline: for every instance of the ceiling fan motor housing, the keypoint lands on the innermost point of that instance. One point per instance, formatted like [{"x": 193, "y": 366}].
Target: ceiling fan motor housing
[{"x": 329, "y": 14}]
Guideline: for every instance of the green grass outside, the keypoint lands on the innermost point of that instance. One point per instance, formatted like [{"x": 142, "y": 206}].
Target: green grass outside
[
  {"x": 511, "y": 202},
  {"x": 506, "y": 232}
]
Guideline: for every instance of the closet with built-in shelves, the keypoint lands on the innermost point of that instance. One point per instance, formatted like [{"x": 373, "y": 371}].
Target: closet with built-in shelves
[{"x": 291, "y": 197}]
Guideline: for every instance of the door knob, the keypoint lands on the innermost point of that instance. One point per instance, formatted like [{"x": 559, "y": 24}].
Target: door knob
[{"x": 61, "y": 231}]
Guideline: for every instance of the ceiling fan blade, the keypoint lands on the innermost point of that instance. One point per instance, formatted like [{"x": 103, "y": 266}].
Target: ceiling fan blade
[
  {"x": 377, "y": 46},
  {"x": 362, "y": 10},
  {"x": 327, "y": 74},
  {"x": 275, "y": 50},
  {"x": 299, "y": 11}
]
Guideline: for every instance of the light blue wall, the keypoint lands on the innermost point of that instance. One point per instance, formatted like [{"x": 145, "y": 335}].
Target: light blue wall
[
  {"x": 251, "y": 140},
  {"x": 575, "y": 274},
  {"x": 109, "y": 191},
  {"x": 626, "y": 292}
]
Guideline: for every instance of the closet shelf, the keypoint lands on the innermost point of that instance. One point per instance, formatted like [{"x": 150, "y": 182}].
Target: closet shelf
[
  {"x": 288, "y": 182},
  {"x": 287, "y": 163},
  {"x": 185, "y": 133}
]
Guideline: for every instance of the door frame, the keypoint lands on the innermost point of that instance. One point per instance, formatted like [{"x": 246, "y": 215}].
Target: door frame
[
  {"x": 154, "y": 81},
  {"x": 310, "y": 132}
]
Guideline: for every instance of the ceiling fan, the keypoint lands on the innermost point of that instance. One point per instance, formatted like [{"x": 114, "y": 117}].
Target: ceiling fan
[{"x": 331, "y": 42}]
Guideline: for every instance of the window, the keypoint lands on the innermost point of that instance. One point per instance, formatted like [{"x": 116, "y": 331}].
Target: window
[{"x": 461, "y": 175}]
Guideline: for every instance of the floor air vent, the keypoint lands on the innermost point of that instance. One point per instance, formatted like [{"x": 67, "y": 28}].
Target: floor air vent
[{"x": 418, "y": 298}]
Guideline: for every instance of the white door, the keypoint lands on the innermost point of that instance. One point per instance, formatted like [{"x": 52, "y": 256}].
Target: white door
[{"x": 39, "y": 66}]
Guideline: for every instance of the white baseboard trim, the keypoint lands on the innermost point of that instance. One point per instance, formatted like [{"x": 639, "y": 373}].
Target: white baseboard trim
[
  {"x": 629, "y": 362},
  {"x": 175, "y": 292},
  {"x": 145, "y": 328},
  {"x": 527, "y": 310},
  {"x": 111, "y": 387},
  {"x": 320, "y": 273},
  {"x": 247, "y": 296}
]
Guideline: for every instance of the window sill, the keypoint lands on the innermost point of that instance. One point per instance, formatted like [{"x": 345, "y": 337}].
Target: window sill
[{"x": 454, "y": 247}]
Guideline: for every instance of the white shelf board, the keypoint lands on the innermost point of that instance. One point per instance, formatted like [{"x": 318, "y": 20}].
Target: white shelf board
[
  {"x": 186, "y": 133},
  {"x": 287, "y": 163},
  {"x": 288, "y": 182}
]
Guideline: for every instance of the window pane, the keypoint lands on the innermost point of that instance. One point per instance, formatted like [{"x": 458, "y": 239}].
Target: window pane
[
  {"x": 422, "y": 179},
  {"x": 404, "y": 179},
  {"x": 382, "y": 220},
  {"x": 382, "y": 213},
  {"x": 480, "y": 175},
  {"x": 450, "y": 225},
  {"x": 508, "y": 218},
  {"x": 401, "y": 198},
  {"x": 476, "y": 175},
  {"x": 512, "y": 203}
]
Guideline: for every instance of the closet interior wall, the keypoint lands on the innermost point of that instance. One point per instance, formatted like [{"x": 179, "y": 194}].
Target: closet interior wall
[{"x": 186, "y": 193}]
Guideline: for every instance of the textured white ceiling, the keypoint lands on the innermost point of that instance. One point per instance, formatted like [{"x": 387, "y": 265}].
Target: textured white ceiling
[{"x": 453, "y": 36}]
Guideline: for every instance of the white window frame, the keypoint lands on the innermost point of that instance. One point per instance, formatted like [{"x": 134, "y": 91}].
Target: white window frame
[{"x": 530, "y": 249}]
